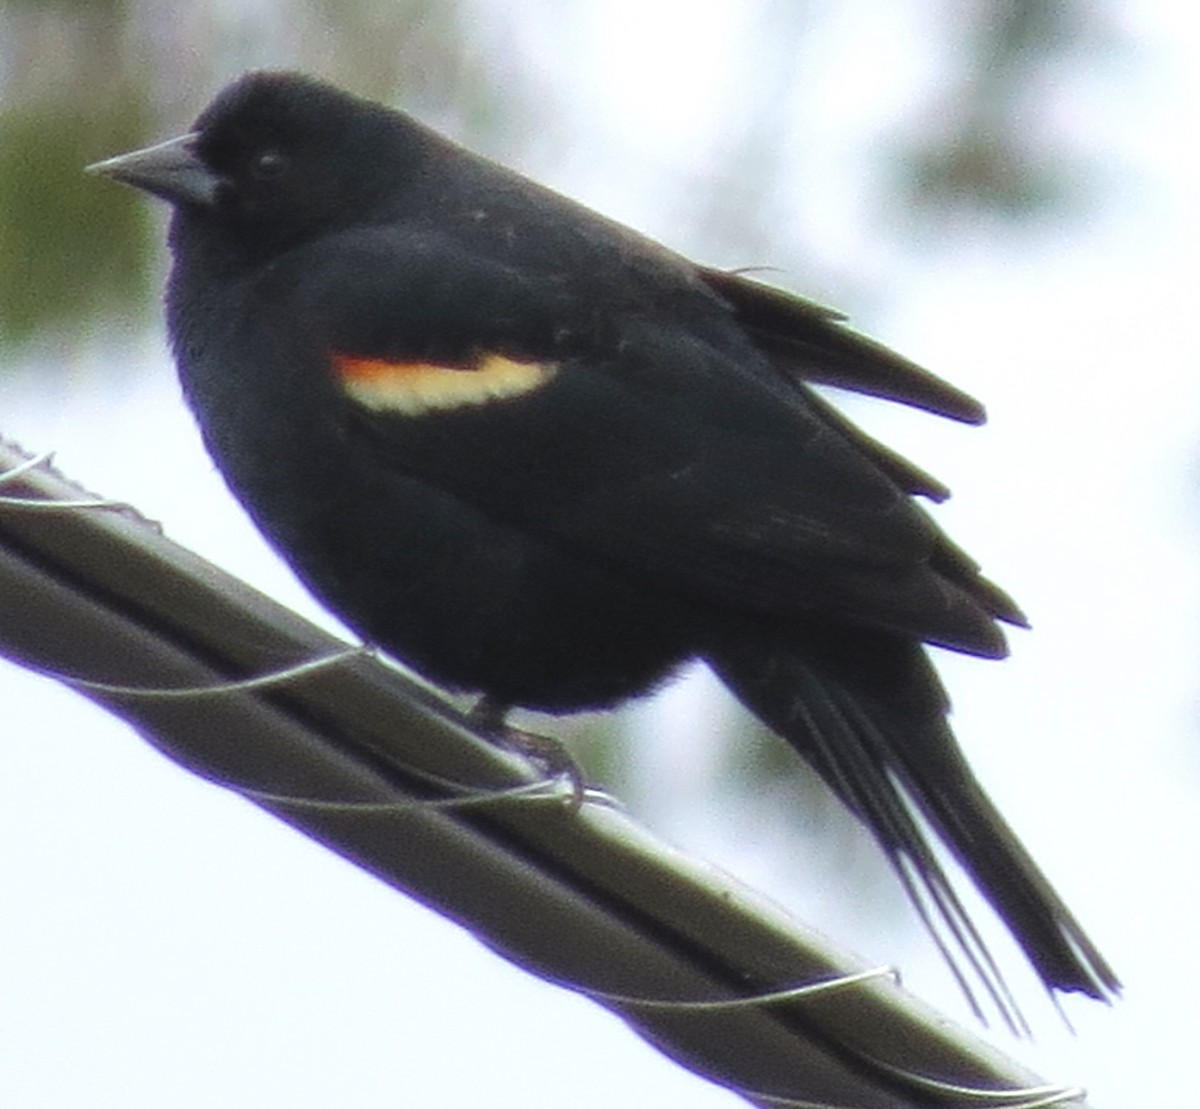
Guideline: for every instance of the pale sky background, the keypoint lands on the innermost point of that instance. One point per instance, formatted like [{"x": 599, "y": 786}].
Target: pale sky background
[{"x": 164, "y": 943}]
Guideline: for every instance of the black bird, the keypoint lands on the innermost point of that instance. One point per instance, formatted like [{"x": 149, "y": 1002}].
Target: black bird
[{"x": 537, "y": 456}]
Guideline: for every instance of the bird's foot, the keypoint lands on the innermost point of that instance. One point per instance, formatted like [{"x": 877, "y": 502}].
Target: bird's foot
[{"x": 488, "y": 716}]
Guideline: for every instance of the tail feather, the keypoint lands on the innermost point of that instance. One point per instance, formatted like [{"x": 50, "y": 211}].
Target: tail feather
[
  {"x": 867, "y": 711},
  {"x": 843, "y": 747}
]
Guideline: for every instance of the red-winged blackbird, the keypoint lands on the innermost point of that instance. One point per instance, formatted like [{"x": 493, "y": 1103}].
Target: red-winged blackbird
[{"x": 537, "y": 456}]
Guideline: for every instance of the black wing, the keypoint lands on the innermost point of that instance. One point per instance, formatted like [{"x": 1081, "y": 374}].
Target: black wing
[
  {"x": 808, "y": 341},
  {"x": 662, "y": 440}
]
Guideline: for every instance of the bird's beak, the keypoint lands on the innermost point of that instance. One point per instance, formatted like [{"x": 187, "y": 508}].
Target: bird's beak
[{"x": 172, "y": 170}]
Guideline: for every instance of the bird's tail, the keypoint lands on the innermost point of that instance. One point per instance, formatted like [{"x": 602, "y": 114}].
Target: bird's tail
[{"x": 867, "y": 711}]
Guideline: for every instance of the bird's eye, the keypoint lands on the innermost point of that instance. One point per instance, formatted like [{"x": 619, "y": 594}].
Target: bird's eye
[{"x": 269, "y": 165}]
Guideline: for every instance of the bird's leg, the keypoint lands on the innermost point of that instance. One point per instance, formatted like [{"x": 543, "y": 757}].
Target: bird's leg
[{"x": 488, "y": 716}]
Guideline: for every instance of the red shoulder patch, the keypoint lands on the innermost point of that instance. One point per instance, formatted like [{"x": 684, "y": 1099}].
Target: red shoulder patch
[{"x": 414, "y": 388}]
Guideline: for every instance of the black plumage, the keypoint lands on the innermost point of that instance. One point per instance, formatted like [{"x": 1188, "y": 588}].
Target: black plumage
[{"x": 537, "y": 456}]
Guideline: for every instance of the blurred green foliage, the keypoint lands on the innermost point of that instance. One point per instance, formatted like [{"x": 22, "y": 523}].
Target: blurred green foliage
[
  {"x": 988, "y": 152},
  {"x": 80, "y": 81},
  {"x": 69, "y": 252}
]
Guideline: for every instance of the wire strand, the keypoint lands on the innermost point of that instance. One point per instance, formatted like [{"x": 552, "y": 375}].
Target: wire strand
[
  {"x": 240, "y": 685},
  {"x": 23, "y": 468},
  {"x": 754, "y": 1001}
]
